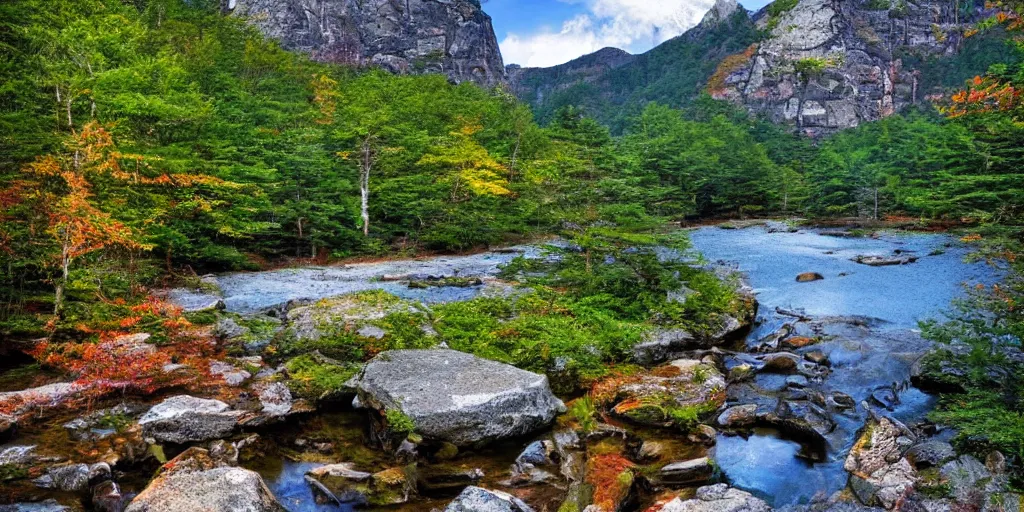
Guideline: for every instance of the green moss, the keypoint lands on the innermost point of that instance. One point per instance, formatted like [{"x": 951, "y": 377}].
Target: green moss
[
  {"x": 399, "y": 422},
  {"x": 11, "y": 472},
  {"x": 584, "y": 412},
  {"x": 208, "y": 317},
  {"x": 313, "y": 377}
]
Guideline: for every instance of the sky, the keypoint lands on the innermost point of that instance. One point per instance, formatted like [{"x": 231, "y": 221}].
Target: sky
[{"x": 541, "y": 33}]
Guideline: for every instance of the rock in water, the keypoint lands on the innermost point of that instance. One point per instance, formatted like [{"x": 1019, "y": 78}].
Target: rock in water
[
  {"x": 456, "y": 397},
  {"x": 475, "y": 499},
  {"x": 187, "y": 419},
  {"x": 716, "y": 498},
  {"x": 880, "y": 475},
  {"x": 194, "y": 481},
  {"x": 808, "y": 277},
  {"x": 452, "y": 37},
  {"x": 42, "y": 506}
]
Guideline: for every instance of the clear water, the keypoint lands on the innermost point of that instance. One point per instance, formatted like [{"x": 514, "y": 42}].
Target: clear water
[{"x": 891, "y": 300}]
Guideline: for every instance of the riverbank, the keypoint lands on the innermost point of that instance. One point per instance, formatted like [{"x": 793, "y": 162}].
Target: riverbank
[{"x": 774, "y": 406}]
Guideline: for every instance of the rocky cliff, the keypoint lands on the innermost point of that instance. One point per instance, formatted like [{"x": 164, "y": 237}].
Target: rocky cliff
[
  {"x": 826, "y": 65},
  {"x": 451, "y": 37}
]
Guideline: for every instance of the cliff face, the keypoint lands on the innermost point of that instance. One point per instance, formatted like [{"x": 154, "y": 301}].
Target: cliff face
[
  {"x": 451, "y": 37},
  {"x": 827, "y": 65}
]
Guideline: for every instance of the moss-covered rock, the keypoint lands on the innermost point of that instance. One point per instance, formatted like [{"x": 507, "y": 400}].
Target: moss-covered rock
[{"x": 681, "y": 394}]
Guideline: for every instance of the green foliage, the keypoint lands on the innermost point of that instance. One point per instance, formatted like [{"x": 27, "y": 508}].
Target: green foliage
[
  {"x": 584, "y": 413},
  {"x": 399, "y": 422},
  {"x": 313, "y": 377}
]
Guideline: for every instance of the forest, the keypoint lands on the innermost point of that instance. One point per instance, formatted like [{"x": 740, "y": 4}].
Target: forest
[{"x": 146, "y": 143}]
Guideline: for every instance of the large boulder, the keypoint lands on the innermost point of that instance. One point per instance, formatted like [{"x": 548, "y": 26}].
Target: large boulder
[
  {"x": 716, "y": 498},
  {"x": 196, "y": 481},
  {"x": 476, "y": 499},
  {"x": 455, "y": 397},
  {"x": 658, "y": 345},
  {"x": 187, "y": 419},
  {"x": 880, "y": 475}
]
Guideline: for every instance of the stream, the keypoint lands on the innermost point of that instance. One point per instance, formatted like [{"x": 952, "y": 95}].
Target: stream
[{"x": 867, "y": 319}]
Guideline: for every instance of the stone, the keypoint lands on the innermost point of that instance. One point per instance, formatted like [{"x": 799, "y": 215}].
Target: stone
[
  {"x": 658, "y": 345},
  {"x": 476, "y": 499},
  {"x": 186, "y": 419},
  {"x": 18, "y": 455},
  {"x": 781, "y": 362},
  {"x": 809, "y": 277},
  {"x": 885, "y": 261},
  {"x": 275, "y": 398},
  {"x": 42, "y": 506},
  {"x": 798, "y": 342},
  {"x": 738, "y": 416},
  {"x": 346, "y": 485},
  {"x": 686, "y": 473},
  {"x": 65, "y": 477},
  {"x": 797, "y": 381},
  {"x": 879, "y": 473},
  {"x": 841, "y": 401},
  {"x": 805, "y": 420},
  {"x": 818, "y": 357},
  {"x": 741, "y": 373},
  {"x": 228, "y": 329},
  {"x": 232, "y": 376},
  {"x": 453, "y": 37},
  {"x": 651, "y": 398},
  {"x": 107, "y": 497},
  {"x": 193, "y": 301},
  {"x": 703, "y": 434},
  {"x": 456, "y": 397},
  {"x": 716, "y": 498},
  {"x": 964, "y": 476},
  {"x": 449, "y": 479},
  {"x": 194, "y": 481},
  {"x": 930, "y": 454}
]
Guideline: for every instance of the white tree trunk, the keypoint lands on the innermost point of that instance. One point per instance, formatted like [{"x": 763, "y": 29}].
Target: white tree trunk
[{"x": 364, "y": 185}]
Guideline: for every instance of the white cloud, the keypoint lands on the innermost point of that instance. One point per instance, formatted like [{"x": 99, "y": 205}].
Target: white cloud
[{"x": 632, "y": 25}]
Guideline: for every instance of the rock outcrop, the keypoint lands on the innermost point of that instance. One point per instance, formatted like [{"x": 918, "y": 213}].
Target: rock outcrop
[
  {"x": 458, "y": 398},
  {"x": 450, "y": 37},
  {"x": 833, "y": 64},
  {"x": 197, "y": 481},
  {"x": 186, "y": 419}
]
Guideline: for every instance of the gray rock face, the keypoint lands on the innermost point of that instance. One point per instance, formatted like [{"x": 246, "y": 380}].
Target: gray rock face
[
  {"x": 880, "y": 475},
  {"x": 450, "y": 37},
  {"x": 186, "y": 419},
  {"x": 193, "y": 481},
  {"x": 476, "y": 499},
  {"x": 456, "y": 397},
  {"x": 863, "y": 79},
  {"x": 931, "y": 454},
  {"x": 718, "y": 498}
]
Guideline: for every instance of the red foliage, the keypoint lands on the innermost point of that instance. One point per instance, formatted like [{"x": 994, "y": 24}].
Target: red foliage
[{"x": 608, "y": 474}]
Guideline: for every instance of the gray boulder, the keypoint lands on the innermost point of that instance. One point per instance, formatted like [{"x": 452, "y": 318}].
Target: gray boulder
[
  {"x": 738, "y": 416},
  {"x": 880, "y": 475},
  {"x": 196, "y": 481},
  {"x": 659, "y": 345},
  {"x": 42, "y": 506},
  {"x": 476, "y": 499},
  {"x": 687, "y": 473},
  {"x": 187, "y": 419},
  {"x": 456, "y": 397},
  {"x": 66, "y": 477},
  {"x": 931, "y": 454},
  {"x": 718, "y": 498}
]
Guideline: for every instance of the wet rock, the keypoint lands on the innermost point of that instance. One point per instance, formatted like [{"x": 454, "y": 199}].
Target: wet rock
[
  {"x": 798, "y": 342},
  {"x": 18, "y": 455},
  {"x": 107, "y": 497},
  {"x": 42, "y": 506},
  {"x": 741, "y": 373},
  {"x": 186, "y": 419},
  {"x": 704, "y": 435},
  {"x": 686, "y": 473},
  {"x": 841, "y": 401},
  {"x": 996, "y": 463},
  {"x": 930, "y": 454},
  {"x": 782, "y": 362},
  {"x": 18, "y": 403},
  {"x": 476, "y": 499},
  {"x": 346, "y": 485},
  {"x": 456, "y": 397},
  {"x": 804, "y": 420},
  {"x": 809, "y": 277},
  {"x": 72, "y": 477},
  {"x": 658, "y": 345},
  {"x": 349, "y": 313},
  {"x": 448, "y": 480},
  {"x": 818, "y": 357},
  {"x": 738, "y": 416},
  {"x": 879, "y": 473},
  {"x": 936, "y": 372},
  {"x": 716, "y": 498},
  {"x": 538, "y": 453},
  {"x": 194, "y": 481},
  {"x": 652, "y": 450},
  {"x": 728, "y": 327},
  {"x": 797, "y": 381},
  {"x": 652, "y": 398},
  {"x": 885, "y": 261},
  {"x": 886, "y": 397}
]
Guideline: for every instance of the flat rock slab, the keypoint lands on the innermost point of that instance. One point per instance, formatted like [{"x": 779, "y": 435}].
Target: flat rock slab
[
  {"x": 187, "y": 419},
  {"x": 457, "y": 397}
]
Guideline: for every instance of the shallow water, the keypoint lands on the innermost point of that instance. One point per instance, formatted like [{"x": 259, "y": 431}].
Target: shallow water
[{"x": 877, "y": 349}]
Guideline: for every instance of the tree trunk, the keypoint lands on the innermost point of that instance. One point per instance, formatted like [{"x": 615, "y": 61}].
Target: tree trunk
[
  {"x": 515, "y": 157},
  {"x": 364, "y": 185},
  {"x": 58, "y": 299},
  {"x": 876, "y": 203}
]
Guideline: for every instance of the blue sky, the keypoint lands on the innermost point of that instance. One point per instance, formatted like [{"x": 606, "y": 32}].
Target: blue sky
[{"x": 550, "y": 32}]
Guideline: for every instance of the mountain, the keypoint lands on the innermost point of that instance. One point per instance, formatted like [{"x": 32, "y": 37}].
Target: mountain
[
  {"x": 451, "y": 37},
  {"x": 817, "y": 65},
  {"x": 827, "y": 65},
  {"x": 612, "y": 85}
]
